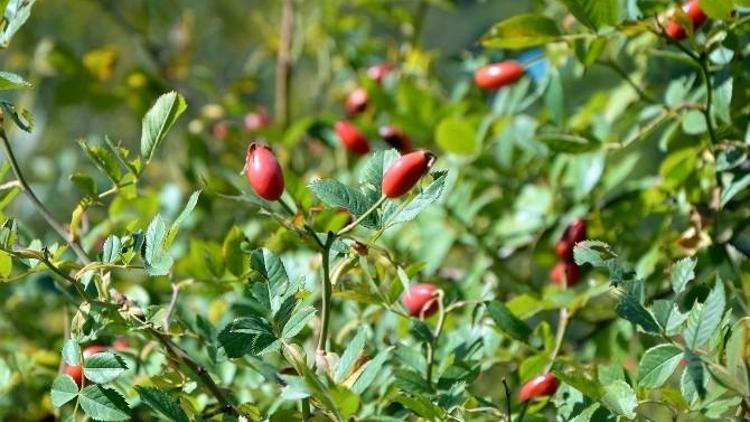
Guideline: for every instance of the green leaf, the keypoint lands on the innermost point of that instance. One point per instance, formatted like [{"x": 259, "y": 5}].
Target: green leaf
[
  {"x": 682, "y": 273},
  {"x": 631, "y": 309},
  {"x": 508, "y": 323},
  {"x": 704, "y": 319},
  {"x": 456, "y": 136},
  {"x": 250, "y": 335},
  {"x": 234, "y": 258},
  {"x": 593, "y": 252},
  {"x": 64, "y": 389},
  {"x": 163, "y": 402},
  {"x": 71, "y": 352},
  {"x": 595, "y": 13},
  {"x": 158, "y": 120},
  {"x": 579, "y": 379},
  {"x": 104, "y": 367},
  {"x": 668, "y": 315},
  {"x": 695, "y": 374},
  {"x": 718, "y": 9},
  {"x": 6, "y": 265},
  {"x": 370, "y": 371},
  {"x": 17, "y": 12},
  {"x": 10, "y": 81},
  {"x": 112, "y": 249},
  {"x": 351, "y": 353},
  {"x": 189, "y": 207},
  {"x": 420, "y": 405},
  {"x": 104, "y": 160},
  {"x": 297, "y": 322},
  {"x": 735, "y": 187},
  {"x": 574, "y": 144},
  {"x": 104, "y": 404},
  {"x": 372, "y": 172},
  {"x": 272, "y": 273},
  {"x": 157, "y": 259},
  {"x": 658, "y": 364},
  {"x": 620, "y": 399},
  {"x": 346, "y": 402},
  {"x": 736, "y": 352},
  {"x": 420, "y": 202},
  {"x": 522, "y": 31},
  {"x": 336, "y": 194}
]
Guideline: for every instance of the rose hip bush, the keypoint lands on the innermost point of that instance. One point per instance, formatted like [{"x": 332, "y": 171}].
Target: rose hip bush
[{"x": 357, "y": 224}]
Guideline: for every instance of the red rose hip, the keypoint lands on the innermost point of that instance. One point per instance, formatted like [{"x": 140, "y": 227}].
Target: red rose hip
[
  {"x": 264, "y": 172},
  {"x": 421, "y": 300},
  {"x": 352, "y": 139},
  {"x": 406, "y": 172},
  {"x": 539, "y": 386},
  {"x": 693, "y": 9},
  {"x": 498, "y": 75},
  {"x": 257, "y": 120},
  {"x": 356, "y": 101},
  {"x": 396, "y": 138},
  {"x": 564, "y": 271}
]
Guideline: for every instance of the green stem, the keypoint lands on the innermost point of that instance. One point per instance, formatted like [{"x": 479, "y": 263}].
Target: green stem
[
  {"x": 56, "y": 226},
  {"x": 325, "y": 309},
  {"x": 709, "y": 99},
  {"x": 435, "y": 337},
  {"x": 362, "y": 217}
]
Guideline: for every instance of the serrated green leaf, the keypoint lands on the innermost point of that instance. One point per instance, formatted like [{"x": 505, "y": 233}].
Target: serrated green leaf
[
  {"x": 522, "y": 31},
  {"x": 64, "y": 389},
  {"x": 620, "y": 398},
  {"x": 668, "y": 315},
  {"x": 429, "y": 195},
  {"x": 158, "y": 120},
  {"x": 420, "y": 405},
  {"x": 695, "y": 374},
  {"x": 658, "y": 364},
  {"x": 593, "y": 252},
  {"x": 734, "y": 188},
  {"x": 104, "y": 367},
  {"x": 704, "y": 319},
  {"x": 682, "y": 273},
  {"x": 508, "y": 323},
  {"x": 250, "y": 335},
  {"x": 370, "y": 371},
  {"x": 112, "y": 249},
  {"x": 104, "y": 404},
  {"x": 631, "y": 309},
  {"x": 163, "y": 402},
  {"x": 336, "y": 194},
  {"x": 350, "y": 355},
  {"x": 372, "y": 172},
  {"x": 297, "y": 322},
  {"x": 189, "y": 207},
  {"x": 71, "y": 352},
  {"x": 574, "y": 144},
  {"x": 157, "y": 259}
]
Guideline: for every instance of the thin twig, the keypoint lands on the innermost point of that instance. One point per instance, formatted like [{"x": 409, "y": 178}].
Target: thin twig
[
  {"x": 51, "y": 220},
  {"x": 509, "y": 410},
  {"x": 284, "y": 63},
  {"x": 172, "y": 306},
  {"x": 362, "y": 217},
  {"x": 325, "y": 309}
]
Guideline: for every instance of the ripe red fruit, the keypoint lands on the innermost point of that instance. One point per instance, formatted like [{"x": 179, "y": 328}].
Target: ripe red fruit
[
  {"x": 576, "y": 231},
  {"x": 76, "y": 371},
  {"x": 539, "y": 386},
  {"x": 396, "y": 138},
  {"x": 406, "y": 172},
  {"x": 379, "y": 72},
  {"x": 356, "y": 101},
  {"x": 564, "y": 250},
  {"x": 264, "y": 172},
  {"x": 257, "y": 120},
  {"x": 498, "y": 75},
  {"x": 565, "y": 269},
  {"x": 352, "y": 138},
  {"x": 421, "y": 300},
  {"x": 693, "y": 9}
]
